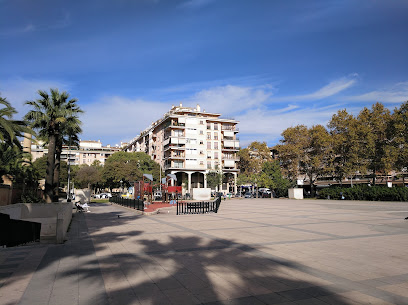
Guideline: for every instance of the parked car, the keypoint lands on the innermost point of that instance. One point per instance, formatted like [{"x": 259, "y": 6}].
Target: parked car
[
  {"x": 248, "y": 195},
  {"x": 103, "y": 195}
]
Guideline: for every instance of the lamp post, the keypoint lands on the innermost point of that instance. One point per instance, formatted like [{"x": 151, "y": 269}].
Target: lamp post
[{"x": 69, "y": 172}]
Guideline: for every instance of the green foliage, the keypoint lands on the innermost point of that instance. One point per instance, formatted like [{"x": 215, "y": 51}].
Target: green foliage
[
  {"x": 86, "y": 176},
  {"x": 55, "y": 116},
  {"x": 214, "y": 179},
  {"x": 128, "y": 167},
  {"x": 272, "y": 178},
  {"x": 31, "y": 196},
  {"x": 364, "y": 192},
  {"x": 10, "y": 129}
]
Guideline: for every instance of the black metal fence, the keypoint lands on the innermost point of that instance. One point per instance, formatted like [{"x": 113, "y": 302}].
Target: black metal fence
[
  {"x": 200, "y": 207},
  {"x": 17, "y": 232},
  {"x": 130, "y": 203}
]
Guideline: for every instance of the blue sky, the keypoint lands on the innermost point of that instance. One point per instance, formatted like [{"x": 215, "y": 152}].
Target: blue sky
[{"x": 268, "y": 64}]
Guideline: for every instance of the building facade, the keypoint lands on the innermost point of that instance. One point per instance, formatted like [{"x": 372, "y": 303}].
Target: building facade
[
  {"x": 190, "y": 142},
  {"x": 87, "y": 153}
]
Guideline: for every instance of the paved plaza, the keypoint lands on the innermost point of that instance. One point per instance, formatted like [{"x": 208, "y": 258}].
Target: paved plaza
[{"x": 254, "y": 251}]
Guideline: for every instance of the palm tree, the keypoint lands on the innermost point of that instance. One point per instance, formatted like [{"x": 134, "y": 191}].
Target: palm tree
[
  {"x": 68, "y": 136},
  {"x": 50, "y": 116},
  {"x": 10, "y": 129}
]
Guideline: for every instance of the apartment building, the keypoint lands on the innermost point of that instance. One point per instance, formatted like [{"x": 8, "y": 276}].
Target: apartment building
[
  {"x": 190, "y": 142},
  {"x": 87, "y": 152}
]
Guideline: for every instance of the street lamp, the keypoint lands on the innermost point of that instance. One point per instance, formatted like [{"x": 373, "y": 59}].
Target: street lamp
[{"x": 69, "y": 172}]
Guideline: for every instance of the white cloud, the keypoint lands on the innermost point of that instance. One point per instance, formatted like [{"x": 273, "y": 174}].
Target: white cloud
[
  {"x": 333, "y": 88},
  {"x": 230, "y": 99},
  {"x": 119, "y": 119},
  {"x": 19, "y": 90},
  {"x": 195, "y": 4},
  {"x": 395, "y": 94}
]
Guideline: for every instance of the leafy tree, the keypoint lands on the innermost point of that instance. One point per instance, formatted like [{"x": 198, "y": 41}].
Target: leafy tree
[
  {"x": 50, "y": 115},
  {"x": 273, "y": 179},
  {"x": 129, "y": 167},
  {"x": 397, "y": 147},
  {"x": 373, "y": 127},
  {"x": 214, "y": 179},
  {"x": 250, "y": 164},
  {"x": 306, "y": 151},
  {"x": 347, "y": 145},
  {"x": 252, "y": 157},
  {"x": 292, "y": 150},
  {"x": 86, "y": 176}
]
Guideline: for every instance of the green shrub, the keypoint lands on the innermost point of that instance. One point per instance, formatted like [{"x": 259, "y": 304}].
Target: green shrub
[{"x": 365, "y": 192}]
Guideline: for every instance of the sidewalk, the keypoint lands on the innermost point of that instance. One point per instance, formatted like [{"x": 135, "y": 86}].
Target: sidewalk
[{"x": 255, "y": 251}]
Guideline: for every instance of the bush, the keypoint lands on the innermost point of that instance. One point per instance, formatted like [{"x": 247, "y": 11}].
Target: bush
[{"x": 364, "y": 192}]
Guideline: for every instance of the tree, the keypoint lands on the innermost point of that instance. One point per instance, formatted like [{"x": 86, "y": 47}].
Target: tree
[
  {"x": 273, "y": 179},
  {"x": 214, "y": 179},
  {"x": 347, "y": 145},
  {"x": 397, "y": 146},
  {"x": 129, "y": 167},
  {"x": 87, "y": 176},
  {"x": 292, "y": 150},
  {"x": 305, "y": 151},
  {"x": 373, "y": 127},
  {"x": 50, "y": 116},
  {"x": 318, "y": 155},
  {"x": 10, "y": 129},
  {"x": 250, "y": 163},
  {"x": 68, "y": 136}
]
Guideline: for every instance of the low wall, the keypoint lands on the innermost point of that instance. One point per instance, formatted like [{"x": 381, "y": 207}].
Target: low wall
[
  {"x": 54, "y": 218},
  {"x": 295, "y": 193},
  {"x": 201, "y": 193}
]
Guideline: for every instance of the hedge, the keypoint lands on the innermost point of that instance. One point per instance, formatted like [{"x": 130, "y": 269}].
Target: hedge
[{"x": 364, "y": 192}]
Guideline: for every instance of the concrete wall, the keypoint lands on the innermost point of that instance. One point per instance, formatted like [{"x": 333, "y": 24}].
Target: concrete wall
[
  {"x": 54, "y": 218},
  {"x": 295, "y": 193},
  {"x": 5, "y": 194},
  {"x": 201, "y": 193}
]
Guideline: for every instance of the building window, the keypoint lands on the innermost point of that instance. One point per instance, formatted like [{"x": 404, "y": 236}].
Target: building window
[
  {"x": 201, "y": 132},
  {"x": 201, "y": 122},
  {"x": 209, "y": 164},
  {"x": 208, "y": 136},
  {"x": 201, "y": 162},
  {"x": 201, "y": 142},
  {"x": 215, "y": 136},
  {"x": 215, "y": 126},
  {"x": 216, "y": 155},
  {"x": 215, "y": 145},
  {"x": 208, "y": 145},
  {"x": 208, "y": 125}
]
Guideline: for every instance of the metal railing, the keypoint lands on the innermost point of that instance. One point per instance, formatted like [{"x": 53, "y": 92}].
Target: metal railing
[
  {"x": 15, "y": 232},
  {"x": 200, "y": 207},
  {"x": 130, "y": 203}
]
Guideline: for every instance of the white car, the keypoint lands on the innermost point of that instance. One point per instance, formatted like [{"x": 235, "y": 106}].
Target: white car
[{"x": 103, "y": 195}]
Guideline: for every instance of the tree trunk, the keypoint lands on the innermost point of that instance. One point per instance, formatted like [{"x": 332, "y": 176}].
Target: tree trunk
[
  {"x": 49, "y": 177},
  {"x": 57, "y": 167}
]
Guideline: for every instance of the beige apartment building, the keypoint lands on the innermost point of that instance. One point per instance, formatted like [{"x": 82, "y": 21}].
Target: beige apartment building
[
  {"x": 190, "y": 142},
  {"x": 87, "y": 152}
]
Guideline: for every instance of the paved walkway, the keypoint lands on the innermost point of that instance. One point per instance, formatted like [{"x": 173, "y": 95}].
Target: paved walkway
[{"x": 254, "y": 251}]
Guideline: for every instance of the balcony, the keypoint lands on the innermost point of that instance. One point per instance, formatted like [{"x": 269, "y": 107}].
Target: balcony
[
  {"x": 230, "y": 144},
  {"x": 230, "y": 157},
  {"x": 229, "y": 128},
  {"x": 176, "y": 156},
  {"x": 174, "y": 147}
]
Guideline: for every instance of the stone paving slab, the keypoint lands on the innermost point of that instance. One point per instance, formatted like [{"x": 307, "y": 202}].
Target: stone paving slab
[{"x": 254, "y": 251}]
